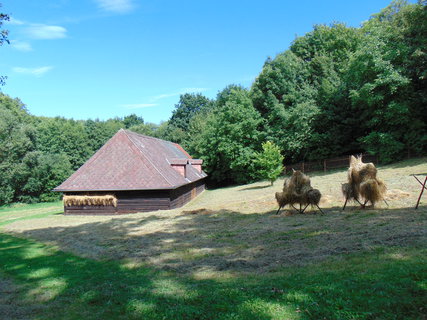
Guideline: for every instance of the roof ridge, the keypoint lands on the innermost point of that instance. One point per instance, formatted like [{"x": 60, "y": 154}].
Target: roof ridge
[{"x": 154, "y": 166}]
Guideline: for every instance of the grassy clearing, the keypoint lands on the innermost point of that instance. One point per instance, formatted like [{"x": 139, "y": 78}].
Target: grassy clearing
[
  {"x": 21, "y": 211},
  {"x": 234, "y": 259},
  {"x": 382, "y": 284}
]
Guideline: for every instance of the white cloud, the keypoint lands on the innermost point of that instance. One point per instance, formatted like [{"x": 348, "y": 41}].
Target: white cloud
[
  {"x": 14, "y": 21},
  {"x": 38, "y": 72},
  {"x": 138, "y": 105},
  {"x": 21, "y": 45},
  {"x": 116, "y": 6},
  {"x": 43, "y": 31},
  {"x": 174, "y": 94}
]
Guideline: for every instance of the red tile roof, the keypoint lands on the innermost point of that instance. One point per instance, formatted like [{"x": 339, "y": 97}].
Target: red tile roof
[{"x": 130, "y": 161}]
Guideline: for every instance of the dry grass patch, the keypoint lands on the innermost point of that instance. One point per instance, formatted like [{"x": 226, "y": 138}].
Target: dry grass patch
[{"x": 234, "y": 230}]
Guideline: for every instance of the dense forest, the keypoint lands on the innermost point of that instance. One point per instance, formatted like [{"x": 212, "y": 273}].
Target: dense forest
[{"x": 336, "y": 90}]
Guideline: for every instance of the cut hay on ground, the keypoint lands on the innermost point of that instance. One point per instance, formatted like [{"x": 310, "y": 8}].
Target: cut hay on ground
[{"x": 106, "y": 200}]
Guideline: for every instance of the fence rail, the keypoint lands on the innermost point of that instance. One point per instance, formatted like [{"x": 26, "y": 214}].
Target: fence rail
[{"x": 328, "y": 164}]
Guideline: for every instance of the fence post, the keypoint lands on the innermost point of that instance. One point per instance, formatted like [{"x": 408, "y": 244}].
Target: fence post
[
  {"x": 303, "y": 167},
  {"x": 324, "y": 165}
]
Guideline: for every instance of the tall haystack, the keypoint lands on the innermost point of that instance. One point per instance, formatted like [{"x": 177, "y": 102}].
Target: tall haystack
[
  {"x": 298, "y": 190},
  {"x": 363, "y": 183}
]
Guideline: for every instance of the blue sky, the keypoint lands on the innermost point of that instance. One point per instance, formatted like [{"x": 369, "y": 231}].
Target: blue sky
[{"x": 105, "y": 58}]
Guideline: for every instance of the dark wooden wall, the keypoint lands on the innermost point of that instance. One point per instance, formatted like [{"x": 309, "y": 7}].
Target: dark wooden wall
[
  {"x": 184, "y": 194},
  {"x": 140, "y": 200}
]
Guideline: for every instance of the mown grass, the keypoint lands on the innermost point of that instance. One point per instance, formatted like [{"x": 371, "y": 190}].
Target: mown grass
[
  {"x": 22, "y": 211},
  {"x": 384, "y": 284},
  {"x": 236, "y": 260}
]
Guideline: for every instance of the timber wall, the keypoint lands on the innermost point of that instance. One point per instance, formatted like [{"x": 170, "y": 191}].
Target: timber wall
[
  {"x": 140, "y": 200},
  {"x": 184, "y": 194}
]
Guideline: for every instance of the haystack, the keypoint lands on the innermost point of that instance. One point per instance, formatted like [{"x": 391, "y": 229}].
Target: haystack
[
  {"x": 363, "y": 183},
  {"x": 105, "y": 200},
  {"x": 298, "y": 190}
]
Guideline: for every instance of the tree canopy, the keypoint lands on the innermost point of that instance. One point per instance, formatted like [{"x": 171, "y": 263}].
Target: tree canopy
[{"x": 337, "y": 90}]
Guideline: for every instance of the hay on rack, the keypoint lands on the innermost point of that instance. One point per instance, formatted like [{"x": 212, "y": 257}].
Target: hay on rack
[
  {"x": 363, "y": 182},
  {"x": 298, "y": 190},
  {"x": 86, "y": 200},
  {"x": 372, "y": 190}
]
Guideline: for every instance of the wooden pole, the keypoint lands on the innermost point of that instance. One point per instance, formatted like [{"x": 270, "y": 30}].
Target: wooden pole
[
  {"x": 345, "y": 203},
  {"x": 319, "y": 209},
  {"x": 324, "y": 165},
  {"x": 422, "y": 190}
]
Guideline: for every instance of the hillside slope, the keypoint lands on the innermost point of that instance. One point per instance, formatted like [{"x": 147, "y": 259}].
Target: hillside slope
[{"x": 236, "y": 230}]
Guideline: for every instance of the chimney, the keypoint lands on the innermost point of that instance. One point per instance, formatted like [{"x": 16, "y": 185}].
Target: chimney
[
  {"x": 197, "y": 164},
  {"x": 179, "y": 165}
]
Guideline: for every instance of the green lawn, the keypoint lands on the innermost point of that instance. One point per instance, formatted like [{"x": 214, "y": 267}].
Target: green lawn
[
  {"x": 235, "y": 259},
  {"x": 50, "y": 284}
]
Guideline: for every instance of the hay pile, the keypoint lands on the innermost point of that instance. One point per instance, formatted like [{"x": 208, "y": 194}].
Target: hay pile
[
  {"x": 298, "y": 190},
  {"x": 363, "y": 183},
  {"x": 106, "y": 200}
]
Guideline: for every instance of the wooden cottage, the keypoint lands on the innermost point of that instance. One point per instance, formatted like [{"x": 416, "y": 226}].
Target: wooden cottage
[{"x": 133, "y": 173}]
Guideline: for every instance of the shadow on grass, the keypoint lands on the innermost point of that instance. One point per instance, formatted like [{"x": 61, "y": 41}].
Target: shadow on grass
[
  {"x": 381, "y": 284},
  {"x": 256, "y": 187}
]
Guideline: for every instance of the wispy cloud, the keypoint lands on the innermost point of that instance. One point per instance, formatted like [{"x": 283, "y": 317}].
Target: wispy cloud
[
  {"x": 152, "y": 102},
  {"x": 43, "y": 31},
  {"x": 21, "y": 45},
  {"x": 37, "y": 72},
  {"x": 116, "y": 6},
  {"x": 14, "y": 21},
  {"x": 177, "y": 93},
  {"x": 138, "y": 105}
]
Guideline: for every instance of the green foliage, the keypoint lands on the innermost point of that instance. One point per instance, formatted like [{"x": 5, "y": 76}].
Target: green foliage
[
  {"x": 17, "y": 138},
  {"x": 98, "y": 132},
  {"x": 189, "y": 105},
  {"x": 59, "y": 135},
  {"x": 226, "y": 139},
  {"x": 269, "y": 162},
  {"x": 39, "y": 173},
  {"x": 337, "y": 90},
  {"x": 132, "y": 120},
  {"x": 336, "y": 87},
  {"x": 3, "y": 37}
]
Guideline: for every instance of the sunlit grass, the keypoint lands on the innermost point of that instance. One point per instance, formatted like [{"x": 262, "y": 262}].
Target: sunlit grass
[{"x": 383, "y": 284}]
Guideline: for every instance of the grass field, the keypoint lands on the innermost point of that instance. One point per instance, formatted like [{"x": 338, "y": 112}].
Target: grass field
[{"x": 225, "y": 255}]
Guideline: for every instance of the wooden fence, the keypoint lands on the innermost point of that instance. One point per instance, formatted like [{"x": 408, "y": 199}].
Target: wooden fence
[{"x": 328, "y": 164}]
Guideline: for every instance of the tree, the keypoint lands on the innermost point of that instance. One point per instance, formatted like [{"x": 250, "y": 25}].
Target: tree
[
  {"x": 269, "y": 162},
  {"x": 38, "y": 173},
  {"x": 229, "y": 139},
  {"x": 59, "y": 135},
  {"x": 3, "y": 38},
  {"x": 189, "y": 104},
  {"x": 17, "y": 138},
  {"x": 132, "y": 120}
]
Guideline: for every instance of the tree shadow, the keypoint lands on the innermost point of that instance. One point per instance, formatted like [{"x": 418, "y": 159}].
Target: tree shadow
[
  {"x": 71, "y": 287},
  {"x": 256, "y": 187}
]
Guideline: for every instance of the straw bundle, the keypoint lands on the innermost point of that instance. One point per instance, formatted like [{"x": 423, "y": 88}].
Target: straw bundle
[
  {"x": 372, "y": 190},
  {"x": 105, "y": 200},
  {"x": 363, "y": 182},
  {"x": 298, "y": 190}
]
